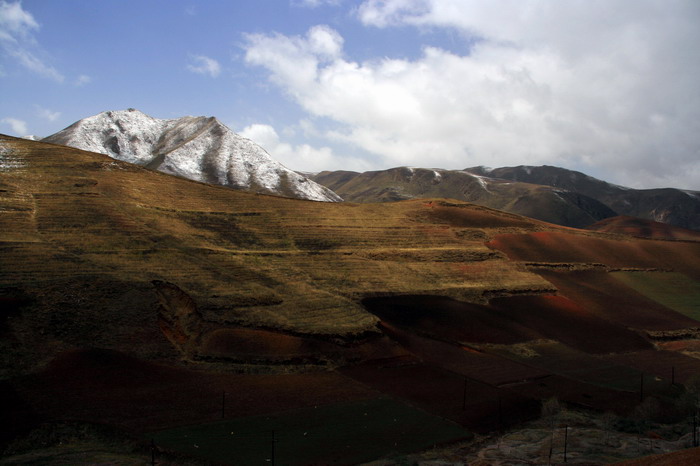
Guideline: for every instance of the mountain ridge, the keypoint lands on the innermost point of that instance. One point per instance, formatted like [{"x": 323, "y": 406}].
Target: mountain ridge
[
  {"x": 197, "y": 148},
  {"x": 552, "y": 194},
  {"x": 544, "y": 203},
  {"x": 666, "y": 205}
]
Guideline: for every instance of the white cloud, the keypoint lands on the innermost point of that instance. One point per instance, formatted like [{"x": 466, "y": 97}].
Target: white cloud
[
  {"x": 82, "y": 80},
  {"x": 16, "y": 39},
  {"x": 15, "y": 22},
  {"x": 314, "y": 3},
  {"x": 204, "y": 65},
  {"x": 19, "y": 127},
  {"x": 302, "y": 156},
  {"x": 47, "y": 114},
  {"x": 608, "y": 85}
]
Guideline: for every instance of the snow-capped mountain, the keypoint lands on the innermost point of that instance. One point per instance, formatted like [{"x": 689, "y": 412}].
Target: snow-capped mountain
[{"x": 197, "y": 148}]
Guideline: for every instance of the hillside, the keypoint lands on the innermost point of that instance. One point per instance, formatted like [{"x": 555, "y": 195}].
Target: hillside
[
  {"x": 552, "y": 194},
  {"x": 106, "y": 229},
  {"x": 197, "y": 148},
  {"x": 667, "y": 205},
  {"x": 171, "y": 308},
  {"x": 545, "y": 203},
  {"x": 642, "y": 228}
]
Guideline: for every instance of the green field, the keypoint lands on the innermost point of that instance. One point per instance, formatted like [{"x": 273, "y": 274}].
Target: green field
[
  {"x": 345, "y": 433},
  {"x": 674, "y": 290}
]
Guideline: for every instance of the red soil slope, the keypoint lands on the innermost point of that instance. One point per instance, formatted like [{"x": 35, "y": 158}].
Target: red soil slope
[
  {"x": 251, "y": 343},
  {"x": 487, "y": 368},
  {"x": 111, "y": 387},
  {"x": 557, "y": 247},
  {"x": 642, "y": 228},
  {"x": 448, "y": 319},
  {"x": 558, "y": 318},
  {"x": 606, "y": 297}
]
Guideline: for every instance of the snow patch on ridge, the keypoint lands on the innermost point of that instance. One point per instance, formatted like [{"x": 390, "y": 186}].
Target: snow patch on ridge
[
  {"x": 482, "y": 180},
  {"x": 8, "y": 160}
]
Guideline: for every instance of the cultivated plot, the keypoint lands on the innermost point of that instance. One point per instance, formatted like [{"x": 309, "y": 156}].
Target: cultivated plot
[
  {"x": 344, "y": 433},
  {"x": 674, "y": 290}
]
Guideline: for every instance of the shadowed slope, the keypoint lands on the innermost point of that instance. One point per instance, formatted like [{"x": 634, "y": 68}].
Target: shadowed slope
[
  {"x": 604, "y": 295},
  {"x": 642, "y": 228},
  {"x": 667, "y": 205}
]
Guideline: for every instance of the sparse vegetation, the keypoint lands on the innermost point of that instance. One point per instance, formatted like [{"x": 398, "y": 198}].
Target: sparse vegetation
[{"x": 283, "y": 304}]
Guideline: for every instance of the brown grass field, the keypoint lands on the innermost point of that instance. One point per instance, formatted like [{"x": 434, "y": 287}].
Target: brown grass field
[{"x": 136, "y": 299}]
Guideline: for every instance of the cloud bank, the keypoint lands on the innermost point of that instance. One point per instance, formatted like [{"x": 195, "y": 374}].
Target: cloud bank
[
  {"x": 313, "y": 159},
  {"x": 604, "y": 86}
]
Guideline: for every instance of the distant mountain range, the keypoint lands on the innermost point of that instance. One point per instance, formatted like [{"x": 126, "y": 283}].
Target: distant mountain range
[
  {"x": 666, "y": 205},
  {"x": 197, "y": 148},
  {"x": 552, "y": 194}
]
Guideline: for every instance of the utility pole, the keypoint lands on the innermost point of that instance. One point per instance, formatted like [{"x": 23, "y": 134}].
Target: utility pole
[
  {"x": 500, "y": 413},
  {"x": 223, "y": 405},
  {"x": 464, "y": 395},
  {"x": 566, "y": 439},
  {"x": 272, "y": 455}
]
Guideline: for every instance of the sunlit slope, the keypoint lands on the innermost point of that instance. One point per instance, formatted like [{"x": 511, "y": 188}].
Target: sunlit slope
[
  {"x": 615, "y": 252},
  {"x": 69, "y": 215}
]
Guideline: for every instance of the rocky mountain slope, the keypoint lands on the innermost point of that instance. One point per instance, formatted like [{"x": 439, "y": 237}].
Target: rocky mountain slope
[
  {"x": 545, "y": 203},
  {"x": 551, "y": 194},
  {"x": 667, "y": 205},
  {"x": 197, "y": 148}
]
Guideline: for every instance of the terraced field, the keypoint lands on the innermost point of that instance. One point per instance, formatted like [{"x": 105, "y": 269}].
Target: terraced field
[{"x": 138, "y": 299}]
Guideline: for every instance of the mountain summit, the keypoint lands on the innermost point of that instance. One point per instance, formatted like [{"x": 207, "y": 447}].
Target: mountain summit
[{"x": 197, "y": 148}]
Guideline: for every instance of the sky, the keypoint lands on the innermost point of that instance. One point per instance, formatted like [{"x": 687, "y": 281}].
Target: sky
[{"x": 607, "y": 87}]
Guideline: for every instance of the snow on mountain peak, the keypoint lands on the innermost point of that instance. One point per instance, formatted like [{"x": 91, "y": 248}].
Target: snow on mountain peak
[{"x": 197, "y": 148}]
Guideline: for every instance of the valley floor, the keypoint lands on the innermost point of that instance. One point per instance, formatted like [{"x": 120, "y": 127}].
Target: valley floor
[{"x": 588, "y": 441}]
